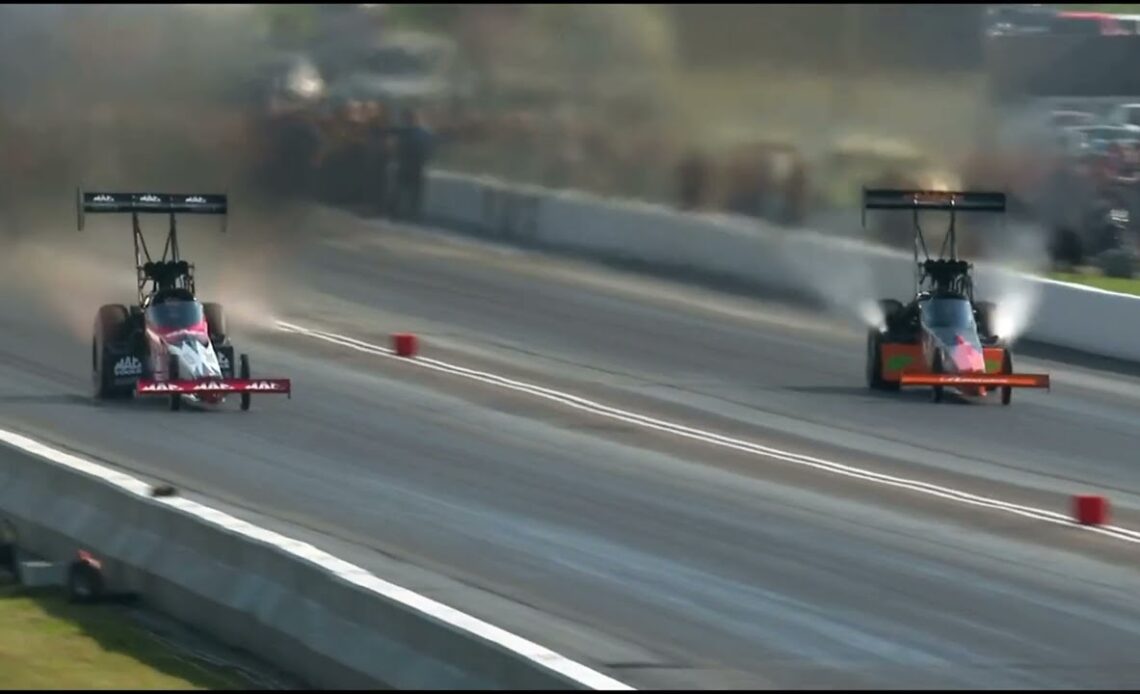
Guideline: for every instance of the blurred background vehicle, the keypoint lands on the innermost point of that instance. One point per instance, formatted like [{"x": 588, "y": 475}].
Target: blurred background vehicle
[
  {"x": 780, "y": 113},
  {"x": 402, "y": 69}
]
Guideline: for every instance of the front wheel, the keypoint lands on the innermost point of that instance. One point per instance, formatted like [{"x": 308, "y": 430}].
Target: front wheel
[
  {"x": 246, "y": 398},
  {"x": 936, "y": 367},
  {"x": 1006, "y": 368},
  {"x": 172, "y": 374}
]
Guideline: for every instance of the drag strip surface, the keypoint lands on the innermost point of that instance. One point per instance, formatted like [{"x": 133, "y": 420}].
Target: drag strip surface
[
  {"x": 661, "y": 564},
  {"x": 738, "y": 358}
]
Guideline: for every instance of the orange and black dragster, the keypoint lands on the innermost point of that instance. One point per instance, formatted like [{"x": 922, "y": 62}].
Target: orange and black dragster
[{"x": 943, "y": 338}]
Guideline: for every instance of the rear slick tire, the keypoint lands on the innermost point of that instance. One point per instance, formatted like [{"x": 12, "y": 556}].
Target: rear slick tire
[
  {"x": 1006, "y": 368},
  {"x": 874, "y": 368},
  {"x": 111, "y": 324},
  {"x": 246, "y": 398},
  {"x": 216, "y": 323}
]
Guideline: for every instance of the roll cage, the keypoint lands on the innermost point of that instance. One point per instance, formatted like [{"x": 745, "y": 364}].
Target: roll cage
[{"x": 946, "y": 275}]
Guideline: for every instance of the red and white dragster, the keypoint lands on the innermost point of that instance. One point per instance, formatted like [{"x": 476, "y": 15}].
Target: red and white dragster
[{"x": 169, "y": 343}]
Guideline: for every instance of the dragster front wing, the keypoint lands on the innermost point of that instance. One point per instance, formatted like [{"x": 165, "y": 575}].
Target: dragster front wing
[
  {"x": 987, "y": 380},
  {"x": 278, "y": 386},
  {"x": 903, "y": 363}
]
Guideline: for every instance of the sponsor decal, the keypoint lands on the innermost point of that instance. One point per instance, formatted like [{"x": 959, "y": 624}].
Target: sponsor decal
[
  {"x": 261, "y": 385},
  {"x": 936, "y": 198},
  {"x": 128, "y": 366},
  {"x": 103, "y": 198},
  {"x": 898, "y": 362},
  {"x": 212, "y": 385},
  {"x": 159, "y": 388},
  {"x": 972, "y": 379},
  {"x": 149, "y": 198},
  {"x": 196, "y": 200}
]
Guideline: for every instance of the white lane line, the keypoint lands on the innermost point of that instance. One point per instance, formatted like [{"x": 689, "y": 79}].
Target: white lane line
[
  {"x": 545, "y": 657},
  {"x": 713, "y": 438}
]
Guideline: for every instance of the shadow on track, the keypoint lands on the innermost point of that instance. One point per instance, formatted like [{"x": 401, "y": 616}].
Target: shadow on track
[{"x": 917, "y": 395}]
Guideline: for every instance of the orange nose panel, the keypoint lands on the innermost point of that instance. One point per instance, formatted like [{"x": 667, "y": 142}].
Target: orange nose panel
[{"x": 967, "y": 358}]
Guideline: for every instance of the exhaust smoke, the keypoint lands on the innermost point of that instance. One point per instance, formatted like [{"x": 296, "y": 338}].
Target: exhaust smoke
[
  {"x": 1017, "y": 302},
  {"x": 1009, "y": 286},
  {"x": 871, "y": 314},
  {"x": 851, "y": 285},
  {"x": 847, "y": 280}
]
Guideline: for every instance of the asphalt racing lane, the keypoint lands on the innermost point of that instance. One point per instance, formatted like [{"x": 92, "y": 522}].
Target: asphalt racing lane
[
  {"x": 663, "y": 571},
  {"x": 737, "y": 358}
]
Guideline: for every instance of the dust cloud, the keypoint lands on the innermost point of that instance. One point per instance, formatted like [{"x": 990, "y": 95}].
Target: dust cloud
[
  {"x": 133, "y": 99},
  {"x": 858, "y": 95}
]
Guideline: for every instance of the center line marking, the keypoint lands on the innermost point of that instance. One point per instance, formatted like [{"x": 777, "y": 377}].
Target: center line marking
[{"x": 712, "y": 438}]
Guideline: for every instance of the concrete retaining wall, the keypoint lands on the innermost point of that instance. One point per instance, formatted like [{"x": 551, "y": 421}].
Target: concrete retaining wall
[
  {"x": 842, "y": 273},
  {"x": 321, "y": 619}
]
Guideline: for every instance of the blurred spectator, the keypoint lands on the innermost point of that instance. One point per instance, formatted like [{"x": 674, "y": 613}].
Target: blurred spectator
[
  {"x": 325, "y": 124},
  {"x": 693, "y": 180},
  {"x": 564, "y": 155},
  {"x": 747, "y": 185},
  {"x": 795, "y": 193},
  {"x": 305, "y": 144},
  {"x": 773, "y": 167},
  {"x": 336, "y": 164},
  {"x": 358, "y": 159},
  {"x": 293, "y": 141},
  {"x": 378, "y": 192},
  {"x": 413, "y": 149},
  {"x": 652, "y": 159}
]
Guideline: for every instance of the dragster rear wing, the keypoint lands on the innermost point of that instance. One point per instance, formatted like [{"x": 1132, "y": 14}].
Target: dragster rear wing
[
  {"x": 149, "y": 203},
  {"x": 950, "y": 201}
]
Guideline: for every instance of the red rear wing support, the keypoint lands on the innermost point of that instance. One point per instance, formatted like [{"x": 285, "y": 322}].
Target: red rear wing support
[
  {"x": 277, "y": 386},
  {"x": 992, "y": 380}
]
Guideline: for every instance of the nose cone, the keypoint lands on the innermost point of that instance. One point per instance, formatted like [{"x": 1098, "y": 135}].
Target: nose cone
[
  {"x": 965, "y": 357},
  {"x": 191, "y": 367},
  {"x": 196, "y": 360}
]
